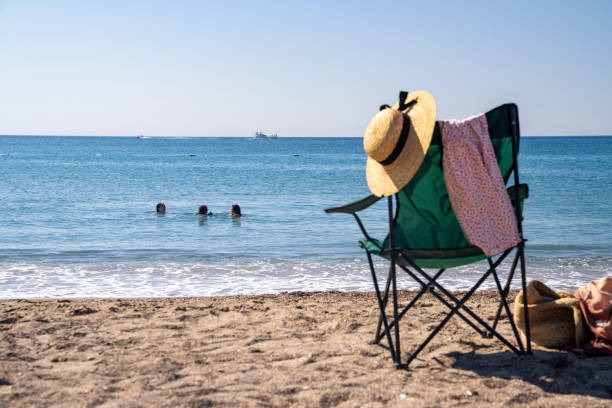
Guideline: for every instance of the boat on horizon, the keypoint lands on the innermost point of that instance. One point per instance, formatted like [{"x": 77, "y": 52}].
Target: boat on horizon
[
  {"x": 142, "y": 137},
  {"x": 259, "y": 135}
]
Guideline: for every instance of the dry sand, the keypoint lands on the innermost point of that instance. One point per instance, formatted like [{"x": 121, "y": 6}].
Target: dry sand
[{"x": 292, "y": 349}]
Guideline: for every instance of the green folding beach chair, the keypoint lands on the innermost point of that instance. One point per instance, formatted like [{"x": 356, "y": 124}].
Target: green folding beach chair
[{"x": 424, "y": 233}]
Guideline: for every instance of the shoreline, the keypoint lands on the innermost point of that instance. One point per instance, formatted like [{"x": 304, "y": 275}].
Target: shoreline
[{"x": 287, "y": 349}]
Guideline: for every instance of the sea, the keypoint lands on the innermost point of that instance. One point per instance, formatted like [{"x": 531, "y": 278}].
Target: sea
[{"x": 78, "y": 219}]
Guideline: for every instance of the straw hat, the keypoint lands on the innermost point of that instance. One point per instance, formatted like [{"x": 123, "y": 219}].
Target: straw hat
[
  {"x": 397, "y": 140},
  {"x": 555, "y": 319}
]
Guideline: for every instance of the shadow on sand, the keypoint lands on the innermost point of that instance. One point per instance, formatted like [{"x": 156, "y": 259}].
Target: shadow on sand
[{"x": 553, "y": 371}]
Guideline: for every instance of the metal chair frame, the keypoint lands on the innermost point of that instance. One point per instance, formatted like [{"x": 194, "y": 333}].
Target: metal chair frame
[{"x": 429, "y": 284}]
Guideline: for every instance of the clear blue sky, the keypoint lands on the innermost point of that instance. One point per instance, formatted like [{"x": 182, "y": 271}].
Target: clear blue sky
[{"x": 309, "y": 68}]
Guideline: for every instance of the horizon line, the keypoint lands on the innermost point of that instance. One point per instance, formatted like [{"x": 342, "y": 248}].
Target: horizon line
[{"x": 250, "y": 137}]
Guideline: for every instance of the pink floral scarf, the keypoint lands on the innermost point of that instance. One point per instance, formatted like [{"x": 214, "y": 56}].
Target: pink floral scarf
[{"x": 475, "y": 186}]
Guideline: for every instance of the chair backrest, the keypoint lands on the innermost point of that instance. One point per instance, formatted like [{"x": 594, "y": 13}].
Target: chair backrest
[{"x": 425, "y": 218}]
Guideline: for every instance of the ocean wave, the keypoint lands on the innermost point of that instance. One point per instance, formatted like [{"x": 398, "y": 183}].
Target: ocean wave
[
  {"x": 564, "y": 247},
  {"x": 143, "y": 278}
]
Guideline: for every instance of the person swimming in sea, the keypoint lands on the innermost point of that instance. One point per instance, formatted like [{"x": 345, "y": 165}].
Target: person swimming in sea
[
  {"x": 235, "y": 211},
  {"x": 161, "y": 208},
  {"x": 203, "y": 211}
]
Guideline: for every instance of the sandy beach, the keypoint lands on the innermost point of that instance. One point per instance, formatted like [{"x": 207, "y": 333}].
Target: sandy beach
[{"x": 291, "y": 349}]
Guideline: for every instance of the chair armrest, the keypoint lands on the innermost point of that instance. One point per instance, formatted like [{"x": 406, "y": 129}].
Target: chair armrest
[
  {"x": 355, "y": 205},
  {"x": 364, "y": 202},
  {"x": 523, "y": 190}
]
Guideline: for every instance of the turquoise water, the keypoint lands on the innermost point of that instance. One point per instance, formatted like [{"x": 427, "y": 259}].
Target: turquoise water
[{"x": 78, "y": 215}]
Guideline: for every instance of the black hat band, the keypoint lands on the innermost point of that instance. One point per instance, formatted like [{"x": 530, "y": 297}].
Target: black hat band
[{"x": 400, "y": 142}]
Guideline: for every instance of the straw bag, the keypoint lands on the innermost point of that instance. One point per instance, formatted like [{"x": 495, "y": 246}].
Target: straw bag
[{"x": 555, "y": 319}]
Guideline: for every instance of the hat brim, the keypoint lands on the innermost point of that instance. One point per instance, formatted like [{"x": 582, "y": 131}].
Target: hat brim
[{"x": 388, "y": 180}]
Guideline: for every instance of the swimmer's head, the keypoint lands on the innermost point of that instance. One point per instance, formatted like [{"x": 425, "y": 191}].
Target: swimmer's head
[
  {"x": 161, "y": 208},
  {"x": 236, "y": 211},
  {"x": 202, "y": 210}
]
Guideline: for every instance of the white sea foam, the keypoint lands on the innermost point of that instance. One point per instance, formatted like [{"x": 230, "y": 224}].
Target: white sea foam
[{"x": 121, "y": 279}]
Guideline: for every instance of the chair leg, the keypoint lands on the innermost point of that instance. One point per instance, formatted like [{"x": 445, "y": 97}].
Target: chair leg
[
  {"x": 505, "y": 304},
  {"x": 379, "y": 334},
  {"x": 440, "y": 298},
  {"x": 456, "y": 301},
  {"x": 430, "y": 283},
  {"x": 398, "y": 355},
  {"x": 393, "y": 257},
  {"x": 506, "y": 288},
  {"x": 381, "y": 306},
  {"x": 524, "y": 285},
  {"x": 446, "y": 319},
  {"x": 424, "y": 288}
]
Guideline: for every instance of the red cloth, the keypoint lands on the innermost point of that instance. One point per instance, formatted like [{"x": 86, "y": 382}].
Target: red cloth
[{"x": 596, "y": 304}]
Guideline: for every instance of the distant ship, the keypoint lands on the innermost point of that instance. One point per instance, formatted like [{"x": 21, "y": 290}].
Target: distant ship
[
  {"x": 259, "y": 135},
  {"x": 141, "y": 137}
]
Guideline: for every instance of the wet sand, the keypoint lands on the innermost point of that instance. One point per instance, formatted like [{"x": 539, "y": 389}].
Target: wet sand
[{"x": 291, "y": 349}]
